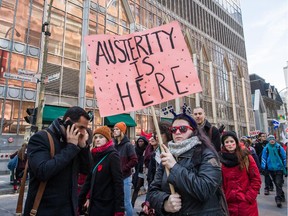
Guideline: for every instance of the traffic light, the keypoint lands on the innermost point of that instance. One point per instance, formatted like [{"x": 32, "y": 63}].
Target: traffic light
[{"x": 32, "y": 115}]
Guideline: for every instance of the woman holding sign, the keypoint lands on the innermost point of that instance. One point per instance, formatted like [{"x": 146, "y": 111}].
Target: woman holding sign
[{"x": 195, "y": 173}]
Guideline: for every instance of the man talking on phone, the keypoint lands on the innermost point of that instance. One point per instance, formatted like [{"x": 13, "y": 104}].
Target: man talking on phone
[{"x": 72, "y": 156}]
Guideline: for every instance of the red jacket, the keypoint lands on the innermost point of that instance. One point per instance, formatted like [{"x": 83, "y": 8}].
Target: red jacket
[{"x": 241, "y": 188}]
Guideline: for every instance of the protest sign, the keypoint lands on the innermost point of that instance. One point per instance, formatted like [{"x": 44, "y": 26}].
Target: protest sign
[{"x": 134, "y": 71}]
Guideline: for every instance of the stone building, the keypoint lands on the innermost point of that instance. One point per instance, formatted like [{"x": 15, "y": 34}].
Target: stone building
[
  {"x": 212, "y": 29},
  {"x": 266, "y": 103}
]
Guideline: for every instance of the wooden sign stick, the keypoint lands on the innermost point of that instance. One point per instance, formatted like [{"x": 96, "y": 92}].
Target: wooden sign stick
[{"x": 160, "y": 144}]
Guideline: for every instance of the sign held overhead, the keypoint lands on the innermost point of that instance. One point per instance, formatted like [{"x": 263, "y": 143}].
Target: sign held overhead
[{"x": 131, "y": 72}]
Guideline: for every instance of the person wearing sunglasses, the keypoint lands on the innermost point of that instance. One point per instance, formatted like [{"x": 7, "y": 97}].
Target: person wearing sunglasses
[{"x": 195, "y": 173}]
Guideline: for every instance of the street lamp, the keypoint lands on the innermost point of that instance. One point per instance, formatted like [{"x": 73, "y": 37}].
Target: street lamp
[{"x": 45, "y": 30}]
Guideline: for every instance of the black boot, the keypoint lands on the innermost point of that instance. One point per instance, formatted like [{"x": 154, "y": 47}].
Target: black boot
[
  {"x": 266, "y": 191},
  {"x": 283, "y": 198},
  {"x": 271, "y": 188},
  {"x": 278, "y": 203}
]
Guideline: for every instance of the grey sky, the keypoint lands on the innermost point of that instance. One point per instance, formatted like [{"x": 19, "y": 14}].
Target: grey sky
[{"x": 266, "y": 38}]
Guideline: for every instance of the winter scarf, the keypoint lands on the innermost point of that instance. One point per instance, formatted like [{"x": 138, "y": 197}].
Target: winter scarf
[
  {"x": 229, "y": 159},
  {"x": 102, "y": 148},
  {"x": 177, "y": 149},
  {"x": 274, "y": 156}
]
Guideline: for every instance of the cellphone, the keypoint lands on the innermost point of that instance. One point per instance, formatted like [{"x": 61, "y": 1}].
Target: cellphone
[{"x": 68, "y": 122}]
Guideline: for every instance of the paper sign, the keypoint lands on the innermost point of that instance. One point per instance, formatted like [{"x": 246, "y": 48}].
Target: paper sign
[{"x": 131, "y": 72}]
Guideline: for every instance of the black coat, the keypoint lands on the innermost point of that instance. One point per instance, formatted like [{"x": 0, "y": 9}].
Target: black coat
[
  {"x": 107, "y": 193},
  {"x": 196, "y": 180},
  {"x": 215, "y": 135},
  {"x": 259, "y": 146},
  {"x": 60, "y": 172}
]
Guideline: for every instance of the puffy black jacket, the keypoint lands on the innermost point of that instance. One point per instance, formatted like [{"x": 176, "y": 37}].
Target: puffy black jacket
[
  {"x": 196, "y": 177},
  {"x": 60, "y": 172}
]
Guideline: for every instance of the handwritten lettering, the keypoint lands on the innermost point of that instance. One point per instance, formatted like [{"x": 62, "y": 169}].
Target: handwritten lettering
[{"x": 141, "y": 69}]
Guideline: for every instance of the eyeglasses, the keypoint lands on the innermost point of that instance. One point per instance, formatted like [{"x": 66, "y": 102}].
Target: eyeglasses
[{"x": 182, "y": 129}]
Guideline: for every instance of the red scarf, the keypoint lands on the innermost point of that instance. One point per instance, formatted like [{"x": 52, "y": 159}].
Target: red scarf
[{"x": 102, "y": 148}]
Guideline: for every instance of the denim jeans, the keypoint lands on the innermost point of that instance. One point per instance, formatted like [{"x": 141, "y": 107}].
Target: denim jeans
[{"x": 127, "y": 196}]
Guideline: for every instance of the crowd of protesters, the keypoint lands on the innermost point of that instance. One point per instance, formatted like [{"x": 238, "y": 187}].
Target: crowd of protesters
[{"x": 193, "y": 169}]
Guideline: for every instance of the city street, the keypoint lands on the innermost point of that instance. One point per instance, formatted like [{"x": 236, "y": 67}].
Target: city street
[{"x": 266, "y": 204}]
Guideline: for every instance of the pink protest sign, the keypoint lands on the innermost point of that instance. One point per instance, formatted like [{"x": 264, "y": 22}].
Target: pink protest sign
[{"x": 134, "y": 71}]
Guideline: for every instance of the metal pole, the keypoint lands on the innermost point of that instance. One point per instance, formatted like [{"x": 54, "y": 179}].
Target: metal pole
[
  {"x": 43, "y": 74},
  {"x": 9, "y": 62},
  {"x": 24, "y": 68}
]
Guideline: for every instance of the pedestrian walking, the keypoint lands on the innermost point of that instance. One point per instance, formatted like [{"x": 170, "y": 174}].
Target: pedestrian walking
[
  {"x": 247, "y": 143},
  {"x": 194, "y": 169},
  {"x": 274, "y": 162},
  {"x": 104, "y": 183},
  {"x": 19, "y": 169},
  {"x": 128, "y": 159},
  {"x": 211, "y": 131},
  {"x": 260, "y": 143},
  {"x": 72, "y": 155},
  {"x": 241, "y": 178},
  {"x": 139, "y": 175}
]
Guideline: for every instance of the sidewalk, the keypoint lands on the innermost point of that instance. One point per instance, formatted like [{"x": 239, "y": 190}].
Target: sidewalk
[
  {"x": 5, "y": 186},
  {"x": 266, "y": 204}
]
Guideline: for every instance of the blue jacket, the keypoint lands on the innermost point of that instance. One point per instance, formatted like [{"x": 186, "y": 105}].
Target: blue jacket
[{"x": 266, "y": 160}]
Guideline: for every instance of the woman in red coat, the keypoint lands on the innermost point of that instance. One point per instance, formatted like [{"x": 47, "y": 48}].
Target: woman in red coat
[{"x": 241, "y": 178}]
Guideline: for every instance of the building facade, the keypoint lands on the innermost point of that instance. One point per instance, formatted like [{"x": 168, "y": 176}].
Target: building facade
[
  {"x": 267, "y": 104},
  {"x": 212, "y": 29}
]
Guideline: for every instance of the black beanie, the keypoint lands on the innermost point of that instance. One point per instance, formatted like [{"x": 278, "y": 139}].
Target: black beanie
[{"x": 229, "y": 133}]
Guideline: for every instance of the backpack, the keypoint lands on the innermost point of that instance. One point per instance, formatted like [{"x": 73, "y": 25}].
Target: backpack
[
  {"x": 278, "y": 148},
  {"x": 279, "y": 154},
  {"x": 13, "y": 163}
]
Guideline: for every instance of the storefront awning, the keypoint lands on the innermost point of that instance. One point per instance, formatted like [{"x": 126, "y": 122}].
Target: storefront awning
[
  {"x": 112, "y": 120},
  {"x": 167, "y": 119},
  {"x": 50, "y": 113}
]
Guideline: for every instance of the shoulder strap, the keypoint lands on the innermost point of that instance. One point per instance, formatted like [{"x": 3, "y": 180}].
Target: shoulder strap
[
  {"x": 21, "y": 191},
  {"x": 41, "y": 186},
  {"x": 278, "y": 150},
  {"x": 93, "y": 172},
  {"x": 100, "y": 162}
]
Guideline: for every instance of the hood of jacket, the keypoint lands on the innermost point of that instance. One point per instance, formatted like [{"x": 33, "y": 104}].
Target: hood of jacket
[{"x": 140, "y": 149}]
